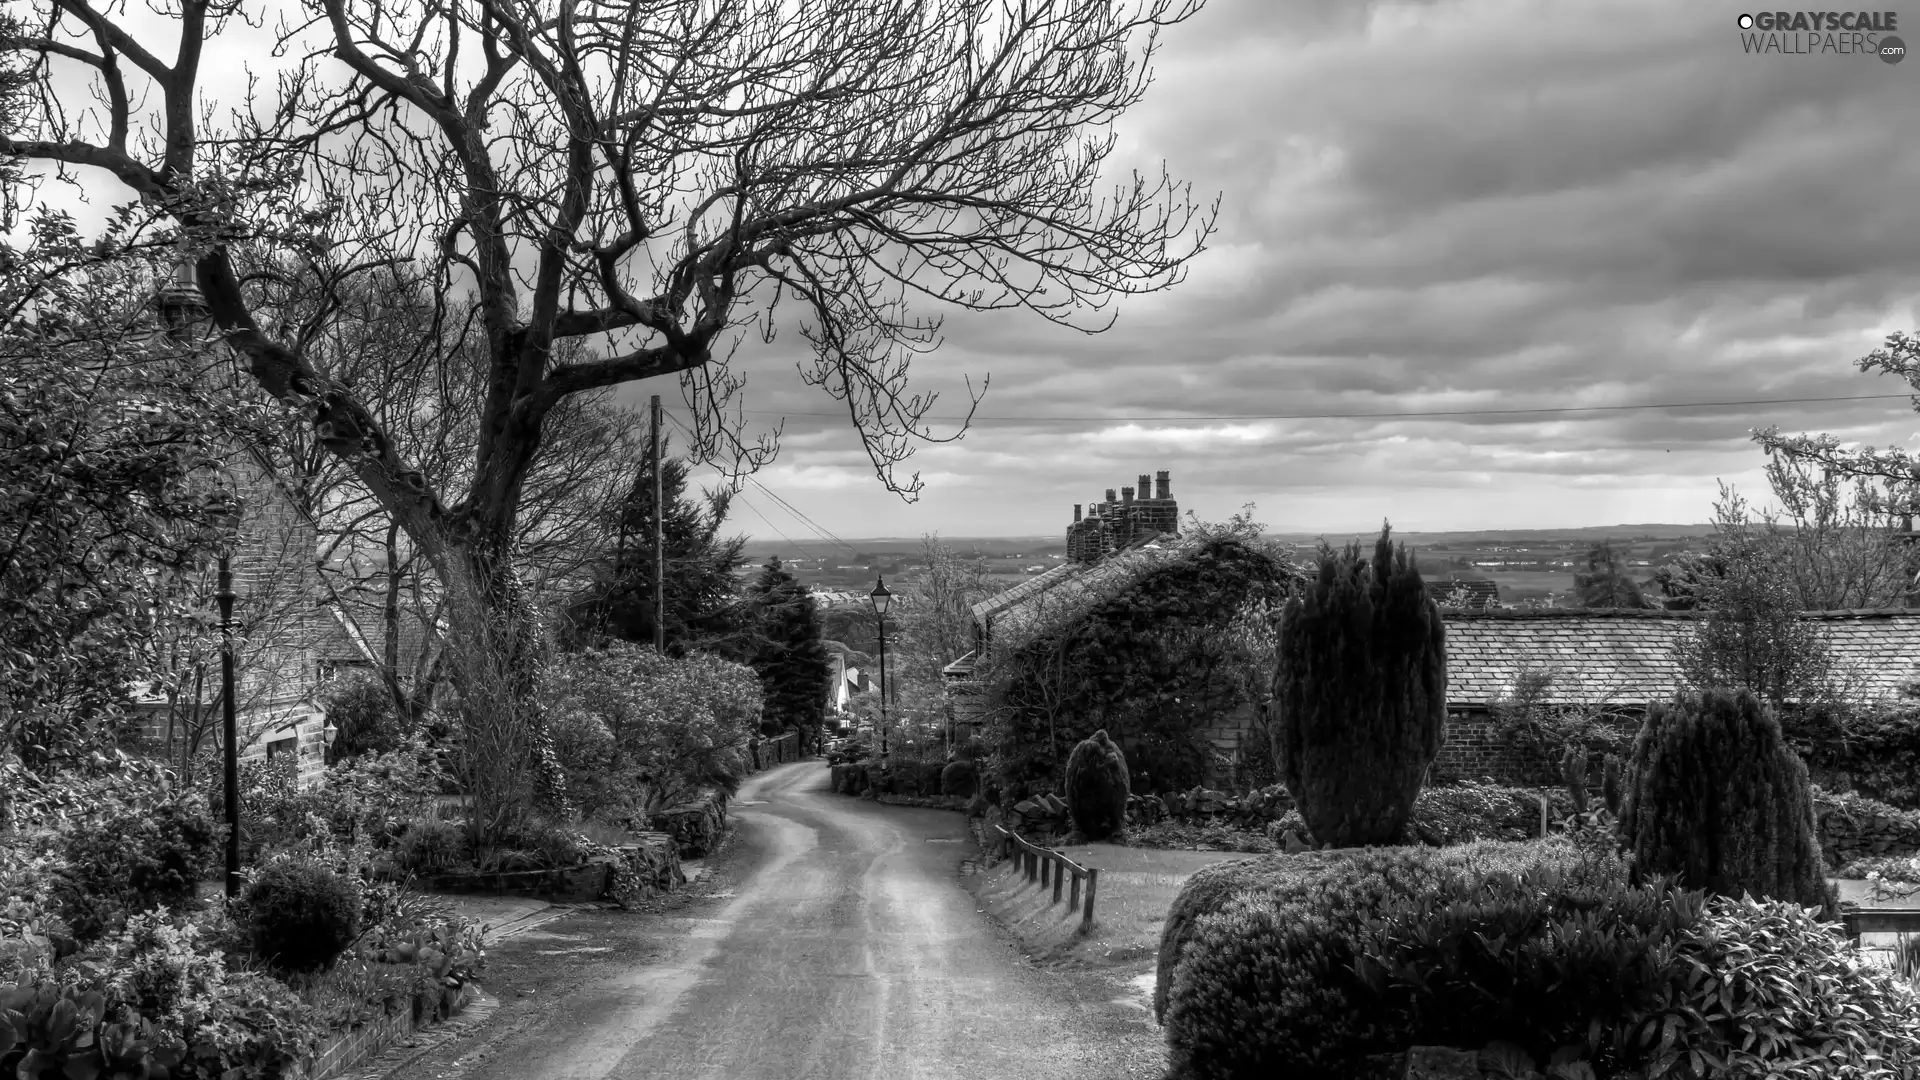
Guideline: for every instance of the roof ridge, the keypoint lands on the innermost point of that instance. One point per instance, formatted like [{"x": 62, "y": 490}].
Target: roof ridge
[{"x": 1659, "y": 613}]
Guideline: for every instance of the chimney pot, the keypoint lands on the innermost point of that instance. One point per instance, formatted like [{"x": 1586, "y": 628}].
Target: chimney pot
[
  {"x": 1145, "y": 491},
  {"x": 1126, "y": 494},
  {"x": 1162, "y": 486},
  {"x": 1109, "y": 494},
  {"x": 1076, "y": 513}
]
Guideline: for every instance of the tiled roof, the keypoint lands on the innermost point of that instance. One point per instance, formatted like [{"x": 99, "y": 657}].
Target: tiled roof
[{"x": 1625, "y": 655}]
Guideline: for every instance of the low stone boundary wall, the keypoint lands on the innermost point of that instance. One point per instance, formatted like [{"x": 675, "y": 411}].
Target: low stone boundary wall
[
  {"x": 766, "y": 753},
  {"x": 1855, "y": 827},
  {"x": 653, "y": 856},
  {"x": 695, "y": 826},
  {"x": 360, "y": 1044}
]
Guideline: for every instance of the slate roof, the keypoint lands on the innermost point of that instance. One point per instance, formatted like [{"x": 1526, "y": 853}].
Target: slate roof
[
  {"x": 1625, "y": 655},
  {"x": 1008, "y": 613},
  {"x": 355, "y": 633}
]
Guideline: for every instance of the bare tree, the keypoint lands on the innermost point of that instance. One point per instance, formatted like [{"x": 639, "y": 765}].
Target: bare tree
[
  {"x": 936, "y": 623},
  {"x": 656, "y": 175}
]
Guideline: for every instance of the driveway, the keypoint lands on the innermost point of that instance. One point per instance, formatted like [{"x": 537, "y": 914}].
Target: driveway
[{"x": 848, "y": 949}]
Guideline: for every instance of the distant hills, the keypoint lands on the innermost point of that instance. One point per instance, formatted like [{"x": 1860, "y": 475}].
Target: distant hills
[{"x": 759, "y": 549}]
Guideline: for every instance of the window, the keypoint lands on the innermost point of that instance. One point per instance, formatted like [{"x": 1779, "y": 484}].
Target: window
[{"x": 288, "y": 747}]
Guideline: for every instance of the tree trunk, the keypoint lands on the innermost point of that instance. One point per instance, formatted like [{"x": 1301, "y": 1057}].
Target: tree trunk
[{"x": 497, "y": 647}]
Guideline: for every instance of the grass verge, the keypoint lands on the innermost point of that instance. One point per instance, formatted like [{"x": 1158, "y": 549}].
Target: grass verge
[{"x": 1137, "y": 885}]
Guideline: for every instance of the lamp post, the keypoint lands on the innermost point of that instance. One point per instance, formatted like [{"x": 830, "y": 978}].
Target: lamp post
[
  {"x": 230, "y": 728},
  {"x": 881, "y": 598}
]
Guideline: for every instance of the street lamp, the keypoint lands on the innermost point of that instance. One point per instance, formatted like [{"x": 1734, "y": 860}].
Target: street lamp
[
  {"x": 230, "y": 727},
  {"x": 881, "y": 598}
]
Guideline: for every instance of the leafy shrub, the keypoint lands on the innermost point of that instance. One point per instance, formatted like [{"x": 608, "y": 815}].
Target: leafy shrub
[
  {"x": 1533, "y": 959},
  {"x": 51, "y": 1033},
  {"x": 1715, "y": 796},
  {"x": 132, "y": 860},
  {"x": 432, "y": 847},
  {"x": 1359, "y": 703},
  {"x": 1876, "y": 754},
  {"x": 1463, "y": 812},
  {"x": 959, "y": 778},
  {"x": 1771, "y": 991},
  {"x": 1097, "y": 786},
  {"x": 235, "y": 1024},
  {"x": 1257, "y": 957},
  {"x": 302, "y": 915},
  {"x": 677, "y": 724},
  {"x": 359, "y": 705}
]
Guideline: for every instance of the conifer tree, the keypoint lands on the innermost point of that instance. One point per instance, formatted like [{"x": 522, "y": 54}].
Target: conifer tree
[
  {"x": 1715, "y": 795},
  {"x": 703, "y": 609},
  {"x": 791, "y": 656},
  {"x": 1359, "y": 694}
]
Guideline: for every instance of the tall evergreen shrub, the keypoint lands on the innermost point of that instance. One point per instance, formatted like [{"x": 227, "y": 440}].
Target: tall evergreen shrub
[
  {"x": 1715, "y": 796},
  {"x": 1359, "y": 694}
]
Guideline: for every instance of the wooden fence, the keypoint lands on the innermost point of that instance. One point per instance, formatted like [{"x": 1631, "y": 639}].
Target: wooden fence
[{"x": 1038, "y": 861}]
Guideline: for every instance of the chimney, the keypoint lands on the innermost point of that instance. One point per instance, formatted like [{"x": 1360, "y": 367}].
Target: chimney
[
  {"x": 1162, "y": 486},
  {"x": 1109, "y": 494},
  {"x": 1126, "y": 494},
  {"x": 1145, "y": 491},
  {"x": 1076, "y": 513}
]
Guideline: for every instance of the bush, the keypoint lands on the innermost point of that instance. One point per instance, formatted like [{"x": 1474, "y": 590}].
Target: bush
[
  {"x": 360, "y": 708},
  {"x": 677, "y": 725},
  {"x": 1464, "y": 812},
  {"x": 1256, "y": 965},
  {"x": 132, "y": 860},
  {"x": 1359, "y": 703},
  {"x": 1096, "y": 786},
  {"x": 1715, "y": 796},
  {"x": 1774, "y": 992},
  {"x": 51, "y": 1033},
  {"x": 432, "y": 847},
  {"x": 302, "y": 915},
  {"x": 960, "y": 779},
  {"x": 1533, "y": 960}
]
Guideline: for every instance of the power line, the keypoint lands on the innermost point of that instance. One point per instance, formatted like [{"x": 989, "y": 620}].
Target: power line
[
  {"x": 804, "y": 519},
  {"x": 782, "y": 503},
  {"x": 776, "y": 528},
  {"x": 1375, "y": 415}
]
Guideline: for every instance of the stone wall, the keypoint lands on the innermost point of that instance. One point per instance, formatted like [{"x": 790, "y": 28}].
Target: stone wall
[
  {"x": 766, "y": 753},
  {"x": 1853, "y": 827}
]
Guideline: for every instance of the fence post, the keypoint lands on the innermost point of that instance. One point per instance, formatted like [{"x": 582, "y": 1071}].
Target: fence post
[
  {"x": 1073, "y": 895},
  {"x": 1093, "y": 884},
  {"x": 1057, "y": 871}
]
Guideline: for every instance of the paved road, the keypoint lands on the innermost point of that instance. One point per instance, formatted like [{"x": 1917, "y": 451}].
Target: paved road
[{"x": 851, "y": 950}]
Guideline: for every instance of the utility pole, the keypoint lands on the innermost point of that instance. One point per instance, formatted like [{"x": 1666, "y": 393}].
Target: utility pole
[{"x": 659, "y": 539}]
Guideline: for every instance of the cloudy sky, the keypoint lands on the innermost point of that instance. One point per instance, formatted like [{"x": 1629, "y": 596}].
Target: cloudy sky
[
  {"x": 1447, "y": 206},
  {"x": 1469, "y": 206}
]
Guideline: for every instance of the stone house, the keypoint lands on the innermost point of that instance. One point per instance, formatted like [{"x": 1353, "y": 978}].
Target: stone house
[
  {"x": 1620, "y": 660},
  {"x": 272, "y": 558},
  {"x": 1108, "y": 542}
]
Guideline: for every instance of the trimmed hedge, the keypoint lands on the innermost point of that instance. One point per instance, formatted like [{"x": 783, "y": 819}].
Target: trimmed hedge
[{"x": 1256, "y": 964}]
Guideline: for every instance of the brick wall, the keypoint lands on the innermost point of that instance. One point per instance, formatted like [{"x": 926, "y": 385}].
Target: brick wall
[{"x": 1474, "y": 750}]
